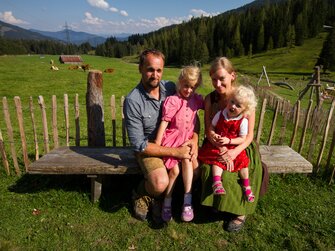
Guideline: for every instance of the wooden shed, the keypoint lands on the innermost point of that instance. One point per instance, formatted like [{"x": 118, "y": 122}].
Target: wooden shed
[{"x": 70, "y": 59}]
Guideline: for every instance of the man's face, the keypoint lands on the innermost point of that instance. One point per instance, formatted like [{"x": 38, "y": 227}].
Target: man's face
[{"x": 152, "y": 71}]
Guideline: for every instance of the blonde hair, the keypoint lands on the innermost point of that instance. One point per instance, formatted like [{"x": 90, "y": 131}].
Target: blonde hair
[
  {"x": 222, "y": 62},
  {"x": 245, "y": 95},
  {"x": 191, "y": 74}
]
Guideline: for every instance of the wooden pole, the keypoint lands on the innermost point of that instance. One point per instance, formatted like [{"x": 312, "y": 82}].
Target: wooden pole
[
  {"x": 94, "y": 109},
  {"x": 22, "y": 133},
  {"x": 325, "y": 135},
  {"x": 45, "y": 124},
  {"x": 124, "y": 132},
  {"x": 76, "y": 109},
  {"x": 260, "y": 122},
  {"x": 54, "y": 121},
  {"x": 330, "y": 154},
  {"x": 4, "y": 155},
  {"x": 296, "y": 124},
  {"x": 113, "y": 111},
  {"x": 273, "y": 126},
  {"x": 10, "y": 135},
  {"x": 32, "y": 116},
  {"x": 302, "y": 140},
  {"x": 66, "y": 116}
]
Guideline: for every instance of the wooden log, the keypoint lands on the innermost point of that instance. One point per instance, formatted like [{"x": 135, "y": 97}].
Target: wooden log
[
  {"x": 94, "y": 109},
  {"x": 304, "y": 131},
  {"x": 325, "y": 135},
  {"x": 10, "y": 135},
  {"x": 19, "y": 114},
  {"x": 273, "y": 125},
  {"x": 113, "y": 111},
  {"x": 76, "y": 119},
  {"x": 4, "y": 155},
  {"x": 66, "y": 117},
  {"x": 124, "y": 132},
  {"x": 296, "y": 123},
  {"x": 260, "y": 121},
  {"x": 32, "y": 116},
  {"x": 44, "y": 124},
  {"x": 54, "y": 121}
]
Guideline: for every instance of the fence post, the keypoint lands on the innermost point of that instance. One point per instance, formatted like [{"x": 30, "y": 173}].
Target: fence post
[
  {"x": 18, "y": 106},
  {"x": 260, "y": 121},
  {"x": 54, "y": 121},
  {"x": 66, "y": 116},
  {"x": 32, "y": 116},
  {"x": 76, "y": 119},
  {"x": 4, "y": 155},
  {"x": 296, "y": 123},
  {"x": 10, "y": 135},
  {"x": 45, "y": 124},
  {"x": 94, "y": 109},
  {"x": 325, "y": 135}
]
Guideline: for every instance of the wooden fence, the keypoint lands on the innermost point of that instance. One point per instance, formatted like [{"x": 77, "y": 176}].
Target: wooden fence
[{"x": 278, "y": 124}]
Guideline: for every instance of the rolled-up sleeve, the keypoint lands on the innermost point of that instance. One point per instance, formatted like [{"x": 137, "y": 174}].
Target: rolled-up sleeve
[{"x": 134, "y": 125}]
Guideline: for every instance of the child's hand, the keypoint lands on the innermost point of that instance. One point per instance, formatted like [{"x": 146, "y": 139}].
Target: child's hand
[{"x": 225, "y": 140}]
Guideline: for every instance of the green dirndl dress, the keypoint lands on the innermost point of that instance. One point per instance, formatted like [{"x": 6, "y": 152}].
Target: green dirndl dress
[{"x": 233, "y": 201}]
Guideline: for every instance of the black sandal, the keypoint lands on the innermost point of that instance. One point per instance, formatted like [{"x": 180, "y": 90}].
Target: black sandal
[{"x": 233, "y": 227}]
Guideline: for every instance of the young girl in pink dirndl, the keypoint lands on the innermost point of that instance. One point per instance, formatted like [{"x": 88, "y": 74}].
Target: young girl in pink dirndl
[{"x": 179, "y": 118}]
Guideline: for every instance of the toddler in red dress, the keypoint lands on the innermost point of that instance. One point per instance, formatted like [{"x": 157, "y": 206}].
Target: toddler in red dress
[
  {"x": 179, "y": 118},
  {"x": 229, "y": 127}
]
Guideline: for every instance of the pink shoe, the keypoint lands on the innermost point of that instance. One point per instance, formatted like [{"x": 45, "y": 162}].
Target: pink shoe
[
  {"x": 187, "y": 213},
  {"x": 166, "y": 213}
]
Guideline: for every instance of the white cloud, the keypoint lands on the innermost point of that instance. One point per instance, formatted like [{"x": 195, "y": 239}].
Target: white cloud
[
  {"x": 101, "y": 4},
  {"x": 8, "y": 17},
  {"x": 89, "y": 19},
  {"x": 124, "y": 13},
  {"x": 199, "y": 12},
  {"x": 113, "y": 9}
]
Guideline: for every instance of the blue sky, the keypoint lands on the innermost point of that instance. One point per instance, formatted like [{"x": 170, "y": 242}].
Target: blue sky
[{"x": 108, "y": 17}]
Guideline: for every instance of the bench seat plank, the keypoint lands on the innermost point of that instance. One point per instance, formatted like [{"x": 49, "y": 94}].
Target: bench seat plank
[
  {"x": 283, "y": 159},
  {"x": 86, "y": 160}
]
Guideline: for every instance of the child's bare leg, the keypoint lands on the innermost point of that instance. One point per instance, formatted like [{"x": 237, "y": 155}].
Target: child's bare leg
[
  {"x": 187, "y": 172},
  {"x": 218, "y": 189},
  {"x": 244, "y": 175},
  {"x": 166, "y": 210}
]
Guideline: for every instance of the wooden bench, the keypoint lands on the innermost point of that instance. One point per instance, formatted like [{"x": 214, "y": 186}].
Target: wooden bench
[
  {"x": 283, "y": 159},
  {"x": 91, "y": 161},
  {"x": 96, "y": 162}
]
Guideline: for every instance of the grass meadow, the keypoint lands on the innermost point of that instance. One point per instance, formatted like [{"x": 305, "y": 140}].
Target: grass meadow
[{"x": 55, "y": 213}]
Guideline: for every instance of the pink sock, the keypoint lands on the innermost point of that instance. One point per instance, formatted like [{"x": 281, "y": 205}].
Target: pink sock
[
  {"x": 216, "y": 178},
  {"x": 245, "y": 182}
]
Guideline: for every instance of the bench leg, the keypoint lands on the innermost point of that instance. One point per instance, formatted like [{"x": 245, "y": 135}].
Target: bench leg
[{"x": 96, "y": 184}]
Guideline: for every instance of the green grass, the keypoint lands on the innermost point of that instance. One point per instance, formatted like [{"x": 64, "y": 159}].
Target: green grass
[{"x": 296, "y": 213}]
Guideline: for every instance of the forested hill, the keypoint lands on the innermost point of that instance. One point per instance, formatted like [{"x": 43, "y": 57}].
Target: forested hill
[{"x": 259, "y": 26}]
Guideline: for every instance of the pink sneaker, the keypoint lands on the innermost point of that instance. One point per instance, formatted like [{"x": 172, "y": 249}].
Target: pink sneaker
[
  {"x": 187, "y": 213},
  {"x": 166, "y": 214}
]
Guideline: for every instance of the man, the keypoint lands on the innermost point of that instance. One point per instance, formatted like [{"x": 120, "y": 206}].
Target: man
[{"x": 142, "y": 109}]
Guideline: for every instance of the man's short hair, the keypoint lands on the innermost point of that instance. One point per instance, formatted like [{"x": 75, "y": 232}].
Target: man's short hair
[{"x": 146, "y": 52}]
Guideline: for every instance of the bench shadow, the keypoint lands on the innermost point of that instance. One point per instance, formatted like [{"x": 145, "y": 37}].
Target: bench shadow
[
  {"x": 116, "y": 189},
  {"x": 34, "y": 183}
]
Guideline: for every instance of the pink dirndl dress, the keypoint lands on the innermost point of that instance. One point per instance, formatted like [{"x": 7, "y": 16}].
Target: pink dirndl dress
[{"x": 181, "y": 115}]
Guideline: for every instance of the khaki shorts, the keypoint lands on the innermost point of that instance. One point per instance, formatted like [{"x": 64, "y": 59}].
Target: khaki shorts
[{"x": 148, "y": 164}]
